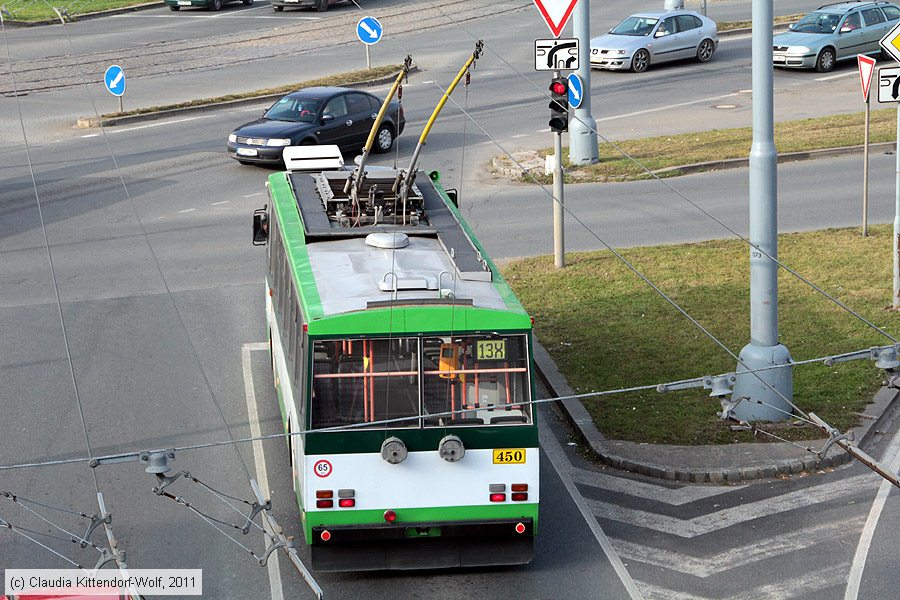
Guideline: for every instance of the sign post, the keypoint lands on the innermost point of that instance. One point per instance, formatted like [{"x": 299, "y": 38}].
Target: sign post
[
  {"x": 891, "y": 45},
  {"x": 866, "y": 68},
  {"x": 369, "y": 32}
]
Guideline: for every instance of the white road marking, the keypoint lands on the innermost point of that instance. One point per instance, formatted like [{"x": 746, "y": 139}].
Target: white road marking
[
  {"x": 187, "y": 210},
  {"x": 158, "y": 124},
  {"x": 802, "y": 585},
  {"x": 237, "y": 15},
  {"x": 838, "y": 76},
  {"x": 738, "y": 557},
  {"x": 865, "y": 540},
  {"x": 222, "y": 202},
  {"x": 558, "y": 459},
  {"x": 667, "y": 107},
  {"x": 649, "y": 491},
  {"x": 521, "y": 135},
  {"x": 259, "y": 456},
  {"x": 707, "y": 523},
  {"x": 252, "y": 195},
  {"x": 90, "y": 135}
]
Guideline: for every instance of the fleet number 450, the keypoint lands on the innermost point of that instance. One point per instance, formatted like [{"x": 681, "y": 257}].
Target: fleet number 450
[{"x": 509, "y": 456}]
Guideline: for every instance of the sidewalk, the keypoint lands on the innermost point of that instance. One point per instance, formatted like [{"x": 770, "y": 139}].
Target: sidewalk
[{"x": 708, "y": 464}]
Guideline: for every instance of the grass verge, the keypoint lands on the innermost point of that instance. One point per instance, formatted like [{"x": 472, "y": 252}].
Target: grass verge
[
  {"x": 29, "y": 12},
  {"x": 341, "y": 79},
  {"x": 606, "y": 329},
  {"x": 670, "y": 151}
]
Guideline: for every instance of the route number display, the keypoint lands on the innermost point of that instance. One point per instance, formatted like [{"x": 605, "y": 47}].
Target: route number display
[{"x": 490, "y": 350}]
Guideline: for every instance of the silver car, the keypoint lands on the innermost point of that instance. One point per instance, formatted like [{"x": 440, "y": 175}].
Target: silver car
[
  {"x": 654, "y": 37},
  {"x": 834, "y": 32}
]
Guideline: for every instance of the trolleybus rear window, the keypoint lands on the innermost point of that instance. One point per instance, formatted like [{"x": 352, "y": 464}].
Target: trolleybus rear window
[{"x": 435, "y": 381}]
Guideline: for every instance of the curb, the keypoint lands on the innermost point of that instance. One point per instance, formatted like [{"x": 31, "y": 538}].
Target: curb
[
  {"x": 153, "y": 115},
  {"x": 90, "y": 15},
  {"x": 501, "y": 166},
  {"x": 733, "y": 463}
]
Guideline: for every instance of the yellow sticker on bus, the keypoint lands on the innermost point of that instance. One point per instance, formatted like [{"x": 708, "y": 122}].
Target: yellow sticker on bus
[{"x": 509, "y": 456}]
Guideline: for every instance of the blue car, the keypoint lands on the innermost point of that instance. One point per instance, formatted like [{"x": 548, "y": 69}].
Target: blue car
[{"x": 832, "y": 33}]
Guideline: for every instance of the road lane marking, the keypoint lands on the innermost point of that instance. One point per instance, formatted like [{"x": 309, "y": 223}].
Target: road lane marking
[
  {"x": 667, "y": 107},
  {"x": 722, "y": 519},
  {"x": 158, "y": 124},
  {"x": 259, "y": 457},
  {"x": 187, "y": 210},
  {"x": 865, "y": 540},
  {"x": 90, "y": 135},
  {"x": 838, "y": 76},
  {"x": 741, "y": 556},
  {"x": 222, "y": 202},
  {"x": 649, "y": 491},
  {"x": 557, "y": 457}
]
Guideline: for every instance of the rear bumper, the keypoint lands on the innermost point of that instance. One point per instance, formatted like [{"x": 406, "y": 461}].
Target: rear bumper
[{"x": 423, "y": 545}]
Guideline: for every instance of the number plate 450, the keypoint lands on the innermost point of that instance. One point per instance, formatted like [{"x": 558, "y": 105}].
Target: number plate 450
[{"x": 509, "y": 456}]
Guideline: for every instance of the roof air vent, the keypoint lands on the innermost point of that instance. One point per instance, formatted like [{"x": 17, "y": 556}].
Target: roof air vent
[{"x": 388, "y": 241}]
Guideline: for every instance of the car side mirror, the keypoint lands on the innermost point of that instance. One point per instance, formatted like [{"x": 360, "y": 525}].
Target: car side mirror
[
  {"x": 261, "y": 226},
  {"x": 659, "y": 33},
  {"x": 844, "y": 29},
  {"x": 327, "y": 118},
  {"x": 791, "y": 26}
]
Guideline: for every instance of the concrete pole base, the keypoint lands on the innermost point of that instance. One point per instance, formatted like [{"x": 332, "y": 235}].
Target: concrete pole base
[
  {"x": 583, "y": 141},
  {"x": 748, "y": 384}
]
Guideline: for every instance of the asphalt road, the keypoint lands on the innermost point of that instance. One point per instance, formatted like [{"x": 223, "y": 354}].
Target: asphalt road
[{"x": 147, "y": 381}]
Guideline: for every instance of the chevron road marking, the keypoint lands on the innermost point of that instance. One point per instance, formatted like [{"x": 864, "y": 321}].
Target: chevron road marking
[
  {"x": 800, "y": 585},
  {"x": 649, "y": 491},
  {"x": 703, "y": 524},
  {"x": 741, "y": 556}
]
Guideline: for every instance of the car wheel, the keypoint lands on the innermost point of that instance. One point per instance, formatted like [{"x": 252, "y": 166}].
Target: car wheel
[
  {"x": 248, "y": 2},
  {"x": 278, "y": 8},
  {"x": 825, "y": 62},
  {"x": 216, "y": 5},
  {"x": 384, "y": 139},
  {"x": 705, "y": 51},
  {"x": 640, "y": 61},
  {"x": 322, "y": 5},
  {"x": 173, "y": 7}
]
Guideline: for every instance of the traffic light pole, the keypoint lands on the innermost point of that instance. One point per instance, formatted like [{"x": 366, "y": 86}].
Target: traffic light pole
[{"x": 559, "y": 233}]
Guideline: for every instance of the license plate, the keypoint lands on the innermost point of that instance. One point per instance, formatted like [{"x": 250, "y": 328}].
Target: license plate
[
  {"x": 778, "y": 59},
  {"x": 509, "y": 456},
  {"x": 246, "y": 151},
  {"x": 184, "y": 2}
]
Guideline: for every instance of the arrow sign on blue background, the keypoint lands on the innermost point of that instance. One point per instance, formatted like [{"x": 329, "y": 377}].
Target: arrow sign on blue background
[
  {"x": 115, "y": 80},
  {"x": 576, "y": 90},
  {"x": 369, "y": 30}
]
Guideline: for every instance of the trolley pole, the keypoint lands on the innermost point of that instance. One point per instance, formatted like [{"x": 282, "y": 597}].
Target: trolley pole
[
  {"x": 895, "y": 304},
  {"x": 559, "y": 233},
  {"x": 865, "y": 206},
  {"x": 765, "y": 388}
]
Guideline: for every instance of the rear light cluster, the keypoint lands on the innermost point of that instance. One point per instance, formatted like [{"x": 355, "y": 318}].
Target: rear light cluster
[
  {"x": 497, "y": 492},
  {"x": 325, "y": 498}
]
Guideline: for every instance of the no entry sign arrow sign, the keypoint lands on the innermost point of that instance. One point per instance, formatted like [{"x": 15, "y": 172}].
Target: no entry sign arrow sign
[{"x": 556, "y": 13}]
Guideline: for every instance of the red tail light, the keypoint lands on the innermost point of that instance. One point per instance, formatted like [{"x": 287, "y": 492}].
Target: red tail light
[
  {"x": 348, "y": 502},
  {"x": 519, "y": 496},
  {"x": 324, "y": 494},
  {"x": 498, "y": 497},
  {"x": 390, "y": 516},
  {"x": 520, "y": 527},
  {"x": 325, "y": 535},
  {"x": 324, "y": 503},
  {"x": 519, "y": 487}
]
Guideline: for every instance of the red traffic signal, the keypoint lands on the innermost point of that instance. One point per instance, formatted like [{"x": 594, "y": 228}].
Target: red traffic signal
[
  {"x": 559, "y": 104},
  {"x": 558, "y": 86}
]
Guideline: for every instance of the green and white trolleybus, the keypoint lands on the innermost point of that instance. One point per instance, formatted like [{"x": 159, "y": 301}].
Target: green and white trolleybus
[{"x": 405, "y": 360}]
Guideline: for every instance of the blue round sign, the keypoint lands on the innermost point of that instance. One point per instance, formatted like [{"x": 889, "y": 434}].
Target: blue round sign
[
  {"x": 576, "y": 90},
  {"x": 114, "y": 78},
  {"x": 369, "y": 30}
]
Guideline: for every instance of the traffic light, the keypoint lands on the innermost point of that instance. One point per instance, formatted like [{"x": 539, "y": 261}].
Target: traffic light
[{"x": 559, "y": 104}]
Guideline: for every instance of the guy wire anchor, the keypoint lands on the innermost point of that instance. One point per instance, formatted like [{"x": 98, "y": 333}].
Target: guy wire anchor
[
  {"x": 887, "y": 360},
  {"x": 720, "y": 387}
]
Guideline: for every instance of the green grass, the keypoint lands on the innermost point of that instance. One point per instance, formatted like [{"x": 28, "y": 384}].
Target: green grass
[
  {"x": 676, "y": 150},
  {"x": 606, "y": 329},
  {"x": 38, "y": 10},
  {"x": 732, "y": 25},
  {"x": 332, "y": 80}
]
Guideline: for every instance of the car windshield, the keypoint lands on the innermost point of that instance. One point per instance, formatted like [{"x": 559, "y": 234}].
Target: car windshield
[
  {"x": 817, "y": 22},
  {"x": 635, "y": 26},
  {"x": 295, "y": 110}
]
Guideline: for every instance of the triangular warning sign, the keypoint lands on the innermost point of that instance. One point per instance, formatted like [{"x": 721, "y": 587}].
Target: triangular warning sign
[
  {"x": 866, "y": 68},
  {"x": 556, "y": 13}
]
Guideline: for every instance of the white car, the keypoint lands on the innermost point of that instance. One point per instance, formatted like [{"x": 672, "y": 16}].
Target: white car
[{"x": 654, "y": 37}]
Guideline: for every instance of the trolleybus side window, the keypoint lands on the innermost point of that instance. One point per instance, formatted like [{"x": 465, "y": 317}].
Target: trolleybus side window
[{"x": 365, "y": 380}]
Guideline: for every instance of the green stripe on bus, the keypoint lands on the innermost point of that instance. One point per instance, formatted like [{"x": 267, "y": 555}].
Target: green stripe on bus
[
  {"x": 421, "y": 440},
  {"x": 412, "y": 320},
  {"x": 330, "y": 518}
]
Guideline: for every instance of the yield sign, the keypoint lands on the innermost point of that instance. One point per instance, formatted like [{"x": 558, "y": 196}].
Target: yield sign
[
  {"x": 866, "y": 68},
  {"x": 891, "y": 42},
  {"x": 556, "y": 13}
]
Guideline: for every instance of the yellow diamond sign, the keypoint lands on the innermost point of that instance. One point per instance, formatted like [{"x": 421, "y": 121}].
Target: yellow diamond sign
[{"x": 891, "y": 42}]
